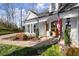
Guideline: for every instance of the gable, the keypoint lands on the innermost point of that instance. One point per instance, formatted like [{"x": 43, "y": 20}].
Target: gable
[{"x": 31, "y": 15}]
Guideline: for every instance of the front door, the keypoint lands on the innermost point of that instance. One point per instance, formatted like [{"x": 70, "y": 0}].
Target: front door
[{"x": 54, "y": 28}]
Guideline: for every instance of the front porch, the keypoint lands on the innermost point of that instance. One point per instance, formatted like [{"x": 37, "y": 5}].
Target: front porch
[{"x": 42, "y": 27}]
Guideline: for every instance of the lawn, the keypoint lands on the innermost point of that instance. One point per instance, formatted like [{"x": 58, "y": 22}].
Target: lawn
[
  {"x": 11, "y": 50},
  {"x": 7, "y": 30},
  {"x": 54, "y": 50},
  {"x": 4, "y": 30}
]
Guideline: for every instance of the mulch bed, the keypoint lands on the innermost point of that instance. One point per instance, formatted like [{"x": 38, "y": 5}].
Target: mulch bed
[
  {"x": 68, "y": 51},
  {"x": 21, "y": 37}
]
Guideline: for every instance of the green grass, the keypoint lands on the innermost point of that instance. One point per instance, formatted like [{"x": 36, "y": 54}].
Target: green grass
[
  {"x": 8, "y": 30},
  {"x": 54, "y": 50},
  {"x": 7, "y": 49},
  {"x": 11, "y": 50},
  {"x": 5, "y": 32}
]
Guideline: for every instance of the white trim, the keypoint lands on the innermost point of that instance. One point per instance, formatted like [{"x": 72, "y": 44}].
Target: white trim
[
  {"x": 35, "y": 21},
  {"x": 33, "y": 15},
  {"x": 69, "y": 14},
  {"x": 31, "y": 22},
  {"x": 56, "y": 6}
]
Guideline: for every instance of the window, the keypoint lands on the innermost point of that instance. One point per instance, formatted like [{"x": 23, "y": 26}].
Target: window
[
  {"x": 34, "y": 27},
  {"x": 31, "y": 28},
  {"x": 47, "y": 27},
  {"x": 28, "y": 28}
]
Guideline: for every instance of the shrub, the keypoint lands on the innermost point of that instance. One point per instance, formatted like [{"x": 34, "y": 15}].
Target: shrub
[
  {"x": 21, "y": 36},
  {"x": 25, "y": 37},
  {"x": 66, "y": 37},
  {"x": 52, "y": 51}
]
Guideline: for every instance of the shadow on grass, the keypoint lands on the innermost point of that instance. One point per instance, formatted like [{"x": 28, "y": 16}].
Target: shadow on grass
[
  {"x": 24, "y": 52},
  {"x": 47, "y": 43},
  {"x": 28, "y": 51}
]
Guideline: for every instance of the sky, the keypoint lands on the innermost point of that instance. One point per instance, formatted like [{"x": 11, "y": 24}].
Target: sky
[
  {"x": 28, "y": 6},
  {"x": 40, "y": 7}
]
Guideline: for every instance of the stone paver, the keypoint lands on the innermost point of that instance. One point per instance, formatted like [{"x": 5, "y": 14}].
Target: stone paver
[
  {"x": 6, "y": 36},
  {"x": 37, "y": 43},
  {"x": 18, "y": 43}
]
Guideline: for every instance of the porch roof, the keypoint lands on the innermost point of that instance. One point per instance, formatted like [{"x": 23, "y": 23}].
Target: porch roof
[{"x": 61, "y": 10}]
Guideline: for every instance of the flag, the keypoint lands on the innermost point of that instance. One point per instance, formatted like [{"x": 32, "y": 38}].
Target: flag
[{"x": 59, "y": 24}]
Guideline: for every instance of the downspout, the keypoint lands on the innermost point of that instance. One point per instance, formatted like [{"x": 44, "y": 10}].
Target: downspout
[{"x": 78, "y": 28}]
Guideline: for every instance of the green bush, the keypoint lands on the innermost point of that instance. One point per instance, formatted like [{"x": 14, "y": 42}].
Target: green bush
[
  {"x": 7, "y": 49},
  {"x": 11, "y": 50},
  {"x": 66, "y": 37},
  {"x": 54, "y": 50}
]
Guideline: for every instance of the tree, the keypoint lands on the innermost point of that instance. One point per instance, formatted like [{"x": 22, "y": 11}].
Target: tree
[
  {"x": 7, "y": 10},
  {"x": 10, "y": 12},
  {"x": 21, "y": 16}
]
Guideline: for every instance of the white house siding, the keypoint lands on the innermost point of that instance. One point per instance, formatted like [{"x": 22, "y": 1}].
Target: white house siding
[
  {"x": 73, "y": 15},
  {"x": 42, "y": 29},
  {"x": 69, "y": 14},
  {"x": 26, "y": 29},
  {"x": 63, "y": 25},
  {"x": 42, "y": 26},
  {"x": 73, "y": 33}
]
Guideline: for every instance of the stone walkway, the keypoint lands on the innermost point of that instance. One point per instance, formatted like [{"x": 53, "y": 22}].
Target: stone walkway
[
  {"x": 18, "y": 43},
  {"x": 6, "y": 36},
  {"x": 37, "y": 43}
]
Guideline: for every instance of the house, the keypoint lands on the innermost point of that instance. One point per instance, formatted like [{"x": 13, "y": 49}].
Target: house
[{"x": 43, "y": 23}]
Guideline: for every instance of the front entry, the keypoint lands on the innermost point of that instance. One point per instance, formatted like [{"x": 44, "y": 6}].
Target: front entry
[
  {"x": 54, "y": 31},
  {"x": 51, "y": 28}
]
